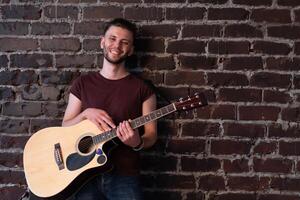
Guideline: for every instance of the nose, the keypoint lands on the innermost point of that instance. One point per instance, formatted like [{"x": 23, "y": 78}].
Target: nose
[{"x": 117, "y": 44}]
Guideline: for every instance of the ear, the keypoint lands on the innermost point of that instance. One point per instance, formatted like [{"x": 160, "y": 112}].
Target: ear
[{"x": 102, "y": 42}]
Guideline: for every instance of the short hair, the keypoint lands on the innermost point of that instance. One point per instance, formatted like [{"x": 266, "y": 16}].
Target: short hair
[{"x": 123, "y": 23}]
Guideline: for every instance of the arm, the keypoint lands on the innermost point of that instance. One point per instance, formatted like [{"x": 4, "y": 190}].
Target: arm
[
  {"x": 73, "y": 115},
  {"x": 131, "y": 137},
  {"x": 150, "y": 135}
]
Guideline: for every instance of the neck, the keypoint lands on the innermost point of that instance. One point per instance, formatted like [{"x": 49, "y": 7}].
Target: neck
[{"x": 113, "y": 71}]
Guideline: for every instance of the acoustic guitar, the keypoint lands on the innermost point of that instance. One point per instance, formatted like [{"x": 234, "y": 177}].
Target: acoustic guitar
[{"x": 58, "y": 159}]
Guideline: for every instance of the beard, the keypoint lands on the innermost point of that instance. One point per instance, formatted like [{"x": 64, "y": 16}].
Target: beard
[{"x": 110, "y": 60}]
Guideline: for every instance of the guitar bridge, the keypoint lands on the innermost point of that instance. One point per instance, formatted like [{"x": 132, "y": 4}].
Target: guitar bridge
[{"x": 58, "y": 156}]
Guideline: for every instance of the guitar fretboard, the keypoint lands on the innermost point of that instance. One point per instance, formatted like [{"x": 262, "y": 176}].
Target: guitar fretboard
[{"x": 138, "y": 122}]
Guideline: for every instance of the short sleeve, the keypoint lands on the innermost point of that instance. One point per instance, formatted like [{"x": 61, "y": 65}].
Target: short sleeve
[
  {"x": 146, "y": 91},
  {"x": 76, "y": 87}
]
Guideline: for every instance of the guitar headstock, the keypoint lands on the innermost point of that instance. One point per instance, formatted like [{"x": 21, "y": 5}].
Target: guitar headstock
[{"x": 191, "y": 102}]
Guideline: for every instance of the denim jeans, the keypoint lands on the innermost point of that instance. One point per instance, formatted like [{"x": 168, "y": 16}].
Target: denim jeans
[{"x": 111, "y": 186}]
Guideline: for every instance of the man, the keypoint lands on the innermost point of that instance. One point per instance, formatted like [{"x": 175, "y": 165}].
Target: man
[{"x": 109, "y": 98}]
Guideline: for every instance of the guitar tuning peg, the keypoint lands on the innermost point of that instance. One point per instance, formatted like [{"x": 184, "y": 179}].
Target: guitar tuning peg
[
  {"x": 192, "y": 105},
  {"x": 180, "y": 99}
]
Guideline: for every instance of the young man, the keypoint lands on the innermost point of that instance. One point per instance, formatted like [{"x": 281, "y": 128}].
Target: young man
[{"x": 109, "y": 98}]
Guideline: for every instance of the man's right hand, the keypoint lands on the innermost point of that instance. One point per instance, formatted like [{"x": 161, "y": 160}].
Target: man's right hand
[{"x": 100, "y": 118}]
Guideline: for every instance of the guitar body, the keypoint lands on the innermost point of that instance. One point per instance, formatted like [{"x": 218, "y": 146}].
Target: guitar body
[
  {"x": 55, "y": 159},
  {"x": 58, "y": 160}
]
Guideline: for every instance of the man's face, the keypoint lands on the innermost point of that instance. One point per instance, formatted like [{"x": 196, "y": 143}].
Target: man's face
[{"x": 117, "y": 44}]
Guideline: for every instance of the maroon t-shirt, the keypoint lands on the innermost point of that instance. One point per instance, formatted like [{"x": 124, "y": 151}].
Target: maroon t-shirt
[{"x": 122, "y": 99}]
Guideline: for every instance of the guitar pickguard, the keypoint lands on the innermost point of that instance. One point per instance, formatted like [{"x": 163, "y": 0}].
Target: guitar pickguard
[{"x": 76, "y": 161}]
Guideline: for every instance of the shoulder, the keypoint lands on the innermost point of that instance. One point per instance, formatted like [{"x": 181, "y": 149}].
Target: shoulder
[{"x": 85, "y": 77}]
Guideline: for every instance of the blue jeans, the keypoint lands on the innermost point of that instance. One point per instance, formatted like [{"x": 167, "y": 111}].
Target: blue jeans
[{"x": 111, "y": 186}]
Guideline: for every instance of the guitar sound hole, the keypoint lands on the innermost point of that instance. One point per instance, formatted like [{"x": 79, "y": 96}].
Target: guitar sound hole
[{"x": 86, "y": 145}]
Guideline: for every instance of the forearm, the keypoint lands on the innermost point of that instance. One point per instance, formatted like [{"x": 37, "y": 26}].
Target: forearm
[
  {"x": 149, "y": 139},
  {"x": 74, "y": 120}
]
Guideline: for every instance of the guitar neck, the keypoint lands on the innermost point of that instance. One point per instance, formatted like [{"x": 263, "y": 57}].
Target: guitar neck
[{"x": 138, "y": 122}]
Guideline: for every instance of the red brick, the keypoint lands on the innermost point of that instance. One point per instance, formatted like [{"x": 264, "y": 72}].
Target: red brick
[
  {"x": 232, "y": 196},
  {"x": 150, "y": 45},
  {"x": 211, "y": 182},
  {"x": 184, "y": 78},
  {"x": 13, "y": 177},
  {"x": 240, "y": 95},
  {"x": 217, "y": 79},
  {"x": 208, "y": 1},
  {"x": 236, "y": 166},
  {"x": 171, "y": 93},
  {"x": 285, "y": 184},
  {"x": 278, "y": 197},
  {"x": 18, "y": 44},
  {"x": 228, "y": 47},
  {"x": 243, "y": 30},
  {"x": 61, "y": 44},
  {"x": 76, "y": 61},
  {"x": 289, "y": 148},
  {"x": 271, "y": 15},
  {"x": 32, "y": 61},
  {"x": 158, "y": 63},
  {"x": 27, "y": 12},
  {"x": 144, "y": 13},
  {"x": 272, "y": 165},
  {"x": 278, "y": 131},
  {"x": 60, "y": 12},
  {"x": 248, "y": 183},
  {"x": 159, "y": 30},
  {"x": 14, "y": 28},
  {"x": 271, "y": 96},
  {"x": 197, "y": 129},
  {"x": 61, "y": 28},
  {"x": 201, "y": 31},
  {"x": 197, "y": 62},
  {"x": 102, "y": 12},
  {"x": 253, "y": 3},
  {"x": 188, "y": 46},
  {"x": 227, "y": 14},
  {"x": 243, "y": 63},
  {"x": 226, "y": 147},
  {"x": 153, "y": 77},
  {"x": 89, "y": 28},
  {"x": 11, "y": 192},
  {"x": 271, "y": 48},
  {"x": 175, "y": 181},
  {"x": 185, "y": 13},
  {"x": 186, "y": 146},
  {"x": 297, "y": 15},
  {"x": 217, "y": 112},
  {"x": 291, "y": 114},
  {"x": 195, "y": 196},
  {"x": 11, "y": 159},
  {"x": 265, "y": 148},
  {"x": 16, "y": 126},
  {"x": 200, "y": 165},
  {"x": 284, "y": 31},
  {"x": 259, "y": 113},
  {"x": 244, "y": 130},
  {"x": 288, "y": 3},
  {"x": 266, "y": 79}
]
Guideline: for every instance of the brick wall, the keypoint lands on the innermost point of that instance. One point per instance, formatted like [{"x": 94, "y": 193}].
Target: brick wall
[{"x": 244, "y": 54}]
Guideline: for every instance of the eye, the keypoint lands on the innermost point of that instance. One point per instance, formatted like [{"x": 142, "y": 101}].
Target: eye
[
  {"x": 125, "y": 43},
  {"x": 112, "y": 39}
]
